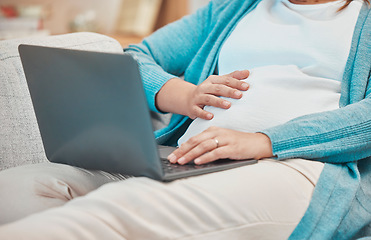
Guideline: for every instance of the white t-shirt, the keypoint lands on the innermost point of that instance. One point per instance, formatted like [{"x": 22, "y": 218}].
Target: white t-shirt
[{"x": 296, "y": 55}]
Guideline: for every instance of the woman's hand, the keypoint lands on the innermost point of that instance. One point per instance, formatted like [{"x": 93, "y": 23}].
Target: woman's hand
[
  {"x": 208, "y": 93},
  {"x": 217, "y": 143},
  {"x": 181, "y": 97}
]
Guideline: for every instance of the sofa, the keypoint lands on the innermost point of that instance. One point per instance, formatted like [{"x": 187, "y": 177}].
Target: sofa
[{"x": 20, "y": 140}]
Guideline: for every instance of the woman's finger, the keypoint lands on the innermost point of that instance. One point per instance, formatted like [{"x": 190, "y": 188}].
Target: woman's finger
[
  {"x": 190, "y": 144},
  {"x": 224, "y": 91},
  {"x": 218, "y": 153},
  {"x": 198, "y": 112},
  {"x": 197, "y": 151},
  {"x": 230, "y": 82},
  {"x": 240, "y": 75},
  {"x": 211, "y": 100}
]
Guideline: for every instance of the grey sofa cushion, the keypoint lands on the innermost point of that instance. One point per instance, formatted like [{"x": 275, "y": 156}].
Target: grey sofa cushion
[{"x": 20, "y": 141}]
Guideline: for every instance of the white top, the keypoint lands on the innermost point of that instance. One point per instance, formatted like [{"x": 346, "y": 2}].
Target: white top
[{"x": 296, "y": 55}]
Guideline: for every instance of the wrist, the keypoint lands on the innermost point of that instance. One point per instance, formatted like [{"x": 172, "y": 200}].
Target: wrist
[{"x": 264, "y": 146}]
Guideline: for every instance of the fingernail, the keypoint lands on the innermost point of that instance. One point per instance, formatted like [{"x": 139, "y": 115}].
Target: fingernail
[
  {"x": 226, "y": 104},
  {"x": 197, "y": 161},
  {"x": 245, "y": 85},
  {"x": 181, "y": 160},
  {"x": 237, "y": 93},
  {"x": 209, "y": 116},
  {"x": 172, "y": 158}
]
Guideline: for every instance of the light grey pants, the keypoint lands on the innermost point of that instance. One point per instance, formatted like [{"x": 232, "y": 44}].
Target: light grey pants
[{"x": 261, "y": 201}]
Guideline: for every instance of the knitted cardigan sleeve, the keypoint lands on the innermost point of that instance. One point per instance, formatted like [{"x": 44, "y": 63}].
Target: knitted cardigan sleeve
[
  {"x": 338, "y": 136},
  {"x": 160, "y": 56}
]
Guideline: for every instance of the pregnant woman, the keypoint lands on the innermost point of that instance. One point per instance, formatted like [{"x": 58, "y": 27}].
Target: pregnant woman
[{"x": 286, "y": 82}]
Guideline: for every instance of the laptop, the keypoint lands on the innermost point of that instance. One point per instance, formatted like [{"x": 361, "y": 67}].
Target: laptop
[{"x": 92, "y": 113}]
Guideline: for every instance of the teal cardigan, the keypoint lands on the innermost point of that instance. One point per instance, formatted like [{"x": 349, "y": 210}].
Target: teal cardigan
[{"x": 341, "y": 203}]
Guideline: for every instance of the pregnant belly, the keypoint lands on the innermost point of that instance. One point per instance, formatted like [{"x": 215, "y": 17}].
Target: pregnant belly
[{"x": 277, "y": 94}]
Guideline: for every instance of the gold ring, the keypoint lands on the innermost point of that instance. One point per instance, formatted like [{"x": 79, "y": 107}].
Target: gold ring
[{"x": 217, "y": 142}]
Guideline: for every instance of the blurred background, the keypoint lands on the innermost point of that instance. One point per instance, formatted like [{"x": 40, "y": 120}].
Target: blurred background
[{"x": 126, "y": 20}]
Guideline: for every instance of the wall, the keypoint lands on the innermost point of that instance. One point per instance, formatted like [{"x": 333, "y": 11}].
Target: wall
[
  {"x": 172, "y": 10},
  {"x": 195, "y": 4},
  {"x": 62, "y": 12}
]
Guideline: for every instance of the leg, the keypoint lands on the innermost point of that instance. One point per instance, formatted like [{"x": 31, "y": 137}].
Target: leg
[
  {"x": 34, "y": 188},
  {"x": 261, "y": 201}
]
